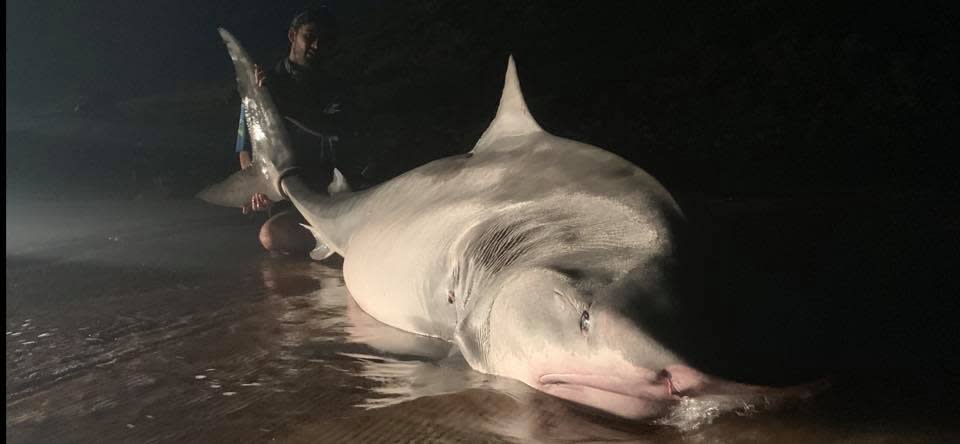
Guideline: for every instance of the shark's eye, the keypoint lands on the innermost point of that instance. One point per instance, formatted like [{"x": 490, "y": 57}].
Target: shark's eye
[{"x": 585, "y": 323}]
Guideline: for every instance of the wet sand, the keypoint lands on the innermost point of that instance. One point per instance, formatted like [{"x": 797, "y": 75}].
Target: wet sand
[{"x": 165, "y": 322}]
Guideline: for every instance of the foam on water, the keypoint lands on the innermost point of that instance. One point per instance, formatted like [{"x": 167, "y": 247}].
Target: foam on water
[{"x": 693, "y": 413}]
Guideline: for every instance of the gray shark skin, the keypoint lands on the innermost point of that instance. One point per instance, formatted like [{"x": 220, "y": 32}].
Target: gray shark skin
[{"x": 540, "y": 258}]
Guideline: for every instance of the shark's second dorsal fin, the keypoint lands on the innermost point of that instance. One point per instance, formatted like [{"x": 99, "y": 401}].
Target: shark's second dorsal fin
[
  {"x": 513, "y": 118},
  {"x": 339, "y": 184}
]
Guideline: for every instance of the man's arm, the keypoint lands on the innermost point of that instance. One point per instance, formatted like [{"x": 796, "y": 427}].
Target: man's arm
[
  {"x": 243, "y": 148},
  {"x": 259, "y": 201},
  {"x": 245, "y": 160}
]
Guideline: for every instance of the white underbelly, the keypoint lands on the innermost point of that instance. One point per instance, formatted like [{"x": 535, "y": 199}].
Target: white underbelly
[
  {"x": 395, "y": 282},
  {"x": 397, "y": 261}
]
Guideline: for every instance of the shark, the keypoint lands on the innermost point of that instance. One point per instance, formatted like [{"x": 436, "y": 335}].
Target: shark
[{"x": 539, "y": 258}]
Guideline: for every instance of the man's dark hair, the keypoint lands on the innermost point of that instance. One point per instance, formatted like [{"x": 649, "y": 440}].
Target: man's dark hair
[{"x": 320, "y": 16}]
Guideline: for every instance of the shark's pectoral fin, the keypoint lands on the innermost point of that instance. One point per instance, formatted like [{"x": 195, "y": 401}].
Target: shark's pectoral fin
[
  {"x": 322, "y": 250},
  {"x": 237, "y": 189}
]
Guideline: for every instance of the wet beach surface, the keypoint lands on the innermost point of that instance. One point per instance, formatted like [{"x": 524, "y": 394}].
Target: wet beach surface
[{"x": 164, "y": 321}]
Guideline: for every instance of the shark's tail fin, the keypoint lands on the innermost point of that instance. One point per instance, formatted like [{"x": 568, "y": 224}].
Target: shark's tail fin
[
  {"x": 273, "y": 156},
  {"x": 237, "y": 189}
]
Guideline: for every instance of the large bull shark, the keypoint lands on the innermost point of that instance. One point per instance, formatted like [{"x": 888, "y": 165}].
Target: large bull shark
[{"x": 542, "y": 259}]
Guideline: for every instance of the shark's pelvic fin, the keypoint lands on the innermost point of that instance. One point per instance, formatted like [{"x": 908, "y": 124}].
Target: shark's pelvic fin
[
  {"x": 513, "y": 118},
  {"x": 322, "y": 250}
]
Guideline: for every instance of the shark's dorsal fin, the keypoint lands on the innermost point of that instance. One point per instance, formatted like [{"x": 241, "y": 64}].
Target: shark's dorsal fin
[{"x": 513, "y": 118}]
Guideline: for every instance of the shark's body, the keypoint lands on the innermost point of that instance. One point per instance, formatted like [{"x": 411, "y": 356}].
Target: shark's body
[{"x": 540, "y": 257}]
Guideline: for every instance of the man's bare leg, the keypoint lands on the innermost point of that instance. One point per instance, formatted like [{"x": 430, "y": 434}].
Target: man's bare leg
[{"x": 282, "y": 233}]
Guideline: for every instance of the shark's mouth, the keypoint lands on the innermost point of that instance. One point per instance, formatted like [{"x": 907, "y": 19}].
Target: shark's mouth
[
  {"x": 626, "y": 397},
  {"x": 653, "y": 394}
]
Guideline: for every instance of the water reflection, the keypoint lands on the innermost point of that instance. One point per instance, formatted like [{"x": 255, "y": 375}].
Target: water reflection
[{"x": 315, "y": 309}]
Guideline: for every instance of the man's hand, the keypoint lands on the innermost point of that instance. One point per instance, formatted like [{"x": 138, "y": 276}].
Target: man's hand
[
  {"x": 258, "y": 202},
  {"x": 261, "y": 76}
]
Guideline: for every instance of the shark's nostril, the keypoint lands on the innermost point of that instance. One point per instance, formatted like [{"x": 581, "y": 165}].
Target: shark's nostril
[{"x": 665, "y": 376}]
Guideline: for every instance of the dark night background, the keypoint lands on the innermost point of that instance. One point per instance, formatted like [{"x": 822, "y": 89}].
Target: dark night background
[{"x": 810, "y": 141}]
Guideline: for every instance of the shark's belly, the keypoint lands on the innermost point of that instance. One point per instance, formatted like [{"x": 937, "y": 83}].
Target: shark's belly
[{"x": 396, "y": 271}]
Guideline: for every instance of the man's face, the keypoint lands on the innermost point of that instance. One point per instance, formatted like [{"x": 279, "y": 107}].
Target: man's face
[{"x": 309, "y": 43}]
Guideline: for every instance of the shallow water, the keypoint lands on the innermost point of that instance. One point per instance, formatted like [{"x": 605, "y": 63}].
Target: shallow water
[{"x": 165, "y": 322}]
